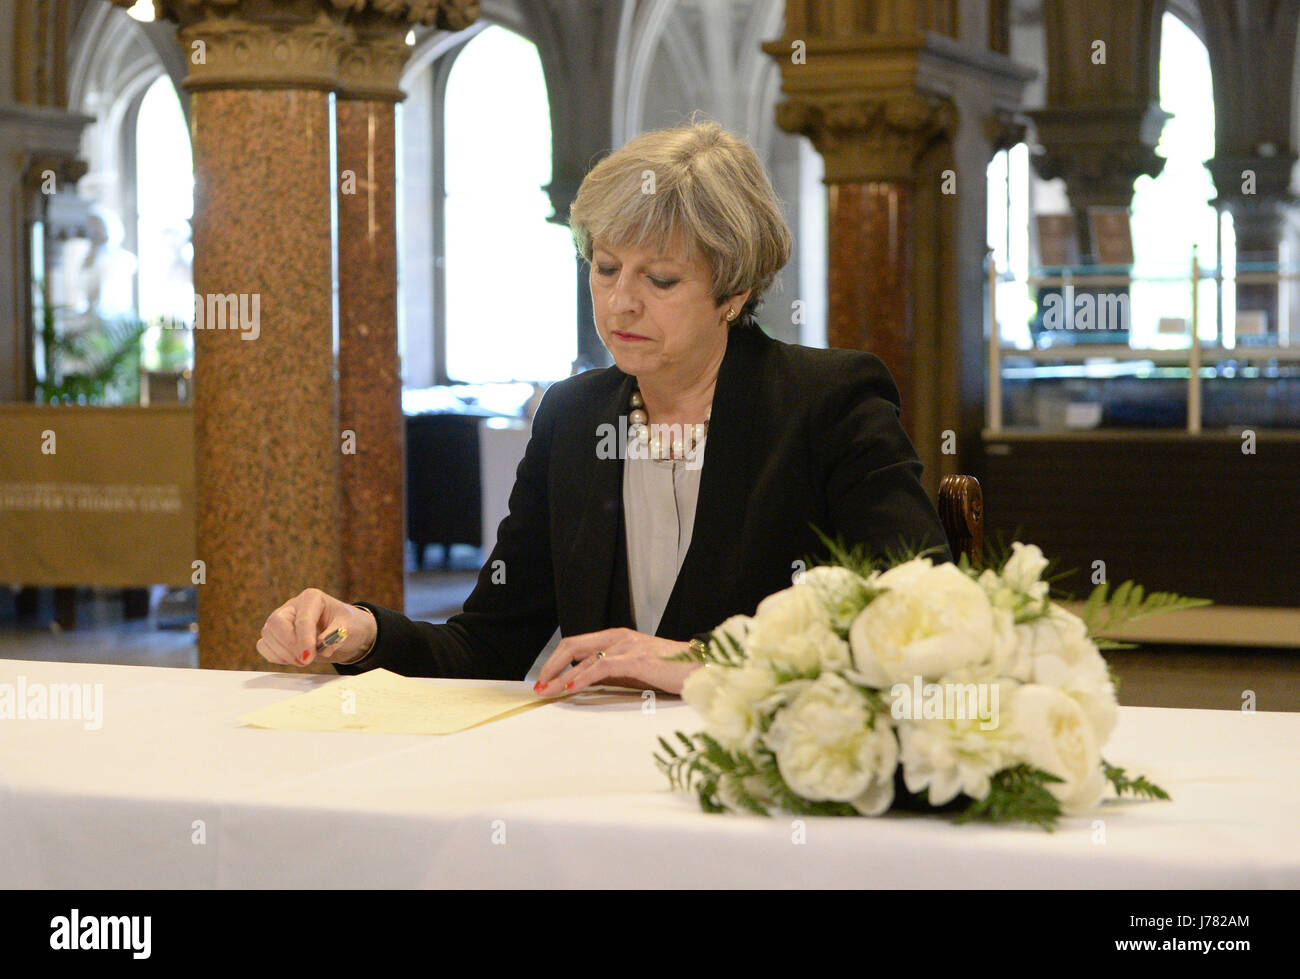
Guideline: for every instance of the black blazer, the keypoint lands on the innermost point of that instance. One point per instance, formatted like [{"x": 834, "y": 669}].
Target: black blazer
[{"x": 797, "y": 436}]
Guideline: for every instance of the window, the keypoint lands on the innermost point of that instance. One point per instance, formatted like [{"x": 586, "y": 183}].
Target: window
[
  {"x": 165, "y": 203},
  {"x": 1171, "y": 212},
  {"x": 511, "y": 278}
]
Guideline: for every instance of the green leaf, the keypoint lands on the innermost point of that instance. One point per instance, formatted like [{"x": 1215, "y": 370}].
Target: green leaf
[
  {"x": 1017, "y": 794},
  {"x": 1132, "y": 786}
]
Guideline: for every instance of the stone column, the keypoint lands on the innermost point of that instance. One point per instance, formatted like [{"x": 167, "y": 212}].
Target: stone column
[
  {"x": 370, "y": 383},
  {"x": 39, "y": 156},
  {"x": 576, "y": 42},
  {"x": 1102, "y": 121},
  {"x": 268, "y": 439},
  {"x": 896, "y": 96},
  {"x": 1252, "y": 53}
]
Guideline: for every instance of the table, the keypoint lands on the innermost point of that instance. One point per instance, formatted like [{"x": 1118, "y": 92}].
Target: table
[{"x": 172, "y": 792}]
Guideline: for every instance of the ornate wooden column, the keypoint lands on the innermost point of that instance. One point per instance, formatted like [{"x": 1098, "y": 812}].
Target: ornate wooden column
[
  {"x": 880, "y": 88},
  {"x": 849, "y": 72}
]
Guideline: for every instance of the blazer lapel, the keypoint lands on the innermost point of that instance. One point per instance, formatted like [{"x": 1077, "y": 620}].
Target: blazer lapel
[
  {"x": 709, "y": 575},
  {"x": 592, "y": 550}
]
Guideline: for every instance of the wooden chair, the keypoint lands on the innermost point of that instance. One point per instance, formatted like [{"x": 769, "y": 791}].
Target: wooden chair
[{"x": 961, "y": 508}]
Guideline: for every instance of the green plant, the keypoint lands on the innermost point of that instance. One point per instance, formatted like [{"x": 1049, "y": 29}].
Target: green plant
[{"x": 108, "y": 355}]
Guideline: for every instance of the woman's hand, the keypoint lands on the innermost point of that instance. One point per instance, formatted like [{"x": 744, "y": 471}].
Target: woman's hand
[
  {"x": 291, "y": 632},
  {"x": 632, "y": 659}
]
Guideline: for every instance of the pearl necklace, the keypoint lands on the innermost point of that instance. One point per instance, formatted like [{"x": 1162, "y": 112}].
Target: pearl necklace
[{"x": 640, "y": 430}]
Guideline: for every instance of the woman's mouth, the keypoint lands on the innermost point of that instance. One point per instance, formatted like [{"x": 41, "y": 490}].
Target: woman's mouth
[{"x": 628, "y": 337}]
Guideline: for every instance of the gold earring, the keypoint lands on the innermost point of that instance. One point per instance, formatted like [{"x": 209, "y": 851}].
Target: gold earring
[{"x": 731, "y": 314}]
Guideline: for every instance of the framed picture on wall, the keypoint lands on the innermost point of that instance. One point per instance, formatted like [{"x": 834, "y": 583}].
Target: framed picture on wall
[
  {"x": 1058, "y": 242},
  {"x": 1112, "y": 235}
]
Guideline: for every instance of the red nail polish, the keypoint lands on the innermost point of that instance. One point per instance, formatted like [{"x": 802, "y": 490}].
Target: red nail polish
[
  {"x": 306, "y": 654},
  {"x": 569, "y": 685},
  {"x": 543, "y": 686}
]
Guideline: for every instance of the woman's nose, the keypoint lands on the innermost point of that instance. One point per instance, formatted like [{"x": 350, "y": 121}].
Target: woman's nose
[{"x": 621, "y": 297}]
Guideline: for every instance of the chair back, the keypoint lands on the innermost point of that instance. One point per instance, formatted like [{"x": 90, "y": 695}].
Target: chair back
[{"x": 961, "y": 508}]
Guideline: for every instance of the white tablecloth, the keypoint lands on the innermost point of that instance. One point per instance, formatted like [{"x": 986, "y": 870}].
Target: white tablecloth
[{"x": 172, "y": 792}]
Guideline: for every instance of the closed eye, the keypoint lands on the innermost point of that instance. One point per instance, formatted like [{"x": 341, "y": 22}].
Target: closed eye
[{"x": 608, "y": 270}]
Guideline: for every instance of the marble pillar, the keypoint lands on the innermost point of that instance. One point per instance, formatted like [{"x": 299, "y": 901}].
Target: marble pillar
[
  {"x": 265, "y": 400},
  {"x": 269, "y": 446},
  {"x": 868, "y": 276},
  {"x": 872, "y": 144},
  {"x": 370, "y": 382}
]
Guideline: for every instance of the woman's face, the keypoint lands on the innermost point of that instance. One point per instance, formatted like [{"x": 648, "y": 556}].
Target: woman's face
[{"x": 655, "y": 313}]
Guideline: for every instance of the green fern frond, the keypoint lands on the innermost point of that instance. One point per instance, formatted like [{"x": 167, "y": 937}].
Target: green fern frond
[
  {"x": 1017, "y": 794},
  {"x": 1128, "y": 603},
  {"x": 1132, "y": 786}
]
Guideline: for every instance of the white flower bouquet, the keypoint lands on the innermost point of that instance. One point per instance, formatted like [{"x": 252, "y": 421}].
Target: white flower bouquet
[{"x": 925, "y": 686}]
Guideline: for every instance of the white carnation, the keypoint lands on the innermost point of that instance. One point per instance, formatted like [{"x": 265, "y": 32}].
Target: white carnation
[
  {"x": 826, "y": 749},
  {"x": 933, "y": 620},
  {"x": 952, "y": 756},
  {"x": 792, "y": 630},
  {"x": 1061, "y": 655}
]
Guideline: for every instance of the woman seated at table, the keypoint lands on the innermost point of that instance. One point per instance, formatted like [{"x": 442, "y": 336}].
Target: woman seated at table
[{"x": 681, "y": 486}]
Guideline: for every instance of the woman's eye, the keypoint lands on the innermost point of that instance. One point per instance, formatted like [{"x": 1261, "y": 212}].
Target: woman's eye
[
  {"x": 663, "y": 283},
  {"x": 605, "y": 270}
]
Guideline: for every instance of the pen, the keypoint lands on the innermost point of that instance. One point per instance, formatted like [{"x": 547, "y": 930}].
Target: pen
[{"x": 333, "y": 639}]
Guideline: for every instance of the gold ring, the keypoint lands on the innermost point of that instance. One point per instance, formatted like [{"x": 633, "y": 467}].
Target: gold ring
[{"x": 600, "y": 654}]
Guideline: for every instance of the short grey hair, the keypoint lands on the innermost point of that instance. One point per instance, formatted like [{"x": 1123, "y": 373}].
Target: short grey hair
[{"x": 697, "y": 180}]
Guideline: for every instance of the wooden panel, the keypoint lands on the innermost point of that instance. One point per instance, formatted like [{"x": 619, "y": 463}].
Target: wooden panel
[{"x": 1196, "y": 516}]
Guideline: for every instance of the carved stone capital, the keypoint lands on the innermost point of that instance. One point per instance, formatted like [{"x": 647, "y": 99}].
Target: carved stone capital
[
  {"x": 356, "y": 46},
  {"x": 1099, "y": 151},
  {"x": 870, "y": 138},
  {"x": 67, "y": 169},
  {"x": 371, "y": 66},
  {"x": 1004, "y": 129},
  {"x": 1248, "y": 180}
]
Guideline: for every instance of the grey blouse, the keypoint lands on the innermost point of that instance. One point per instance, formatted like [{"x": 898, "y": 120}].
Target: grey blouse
[{"x": 659, "y": 498}]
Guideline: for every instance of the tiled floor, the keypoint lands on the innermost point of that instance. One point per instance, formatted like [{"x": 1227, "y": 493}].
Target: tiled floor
[{"x": 1217, "y": 677}]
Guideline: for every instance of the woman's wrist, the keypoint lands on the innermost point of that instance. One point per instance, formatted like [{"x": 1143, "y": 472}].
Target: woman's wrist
[{"x": 368, "y": 631}]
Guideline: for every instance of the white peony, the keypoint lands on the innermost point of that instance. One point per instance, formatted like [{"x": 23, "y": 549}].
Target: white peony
[
  {"x": 933, "y": 620},
  {"x": 901, "y": 576},
  {"x": 1061, "y": 655},
  {"x": 843, "y": 592},
  {"x": 792, "y": 630},
  {"x": 952, "y": 756},
  {"x": 731, "y": 701},
  {"x": 826, "y": 749},
  {"x": 1055, "y": 736}
]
